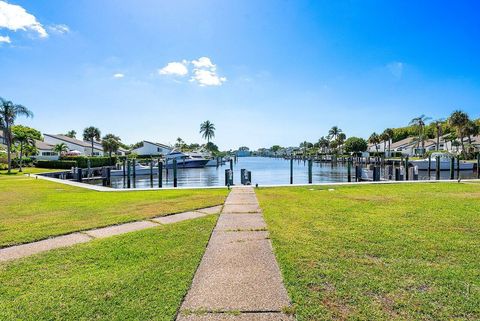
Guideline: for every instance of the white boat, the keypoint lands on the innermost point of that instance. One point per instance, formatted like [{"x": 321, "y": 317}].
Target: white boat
[
  {"x": 139, "y": 170},
  {"x": 186, "y": 159},
  {"x": 445, "y": 163}
]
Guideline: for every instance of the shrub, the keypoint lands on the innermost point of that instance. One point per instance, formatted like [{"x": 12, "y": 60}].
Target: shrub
[
  {"x": 82, "y": 161},
  {"x": 56, "y": 164}
]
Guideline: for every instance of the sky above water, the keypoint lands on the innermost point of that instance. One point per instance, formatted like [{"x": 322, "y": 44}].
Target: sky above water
[{"x": 264, "y": 72}]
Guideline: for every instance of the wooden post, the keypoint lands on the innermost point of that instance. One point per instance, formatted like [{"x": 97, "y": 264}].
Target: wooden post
[
  {"x": 231, "y": 164},
  {"x": 458, "y": 167},
  {"x": 128, "y": 173},
  {"x": 429, "y": 165},
  {"x": 310, "y": 174},
  {"x": 291, "y": 170},
  {"x": 160, "y": 173},
  {"x": 349, "y": 171},
  {"x": 124, "y": 169},
  {"x": 151, "y": 173},
  {"x": 452, "y": 168},
  {"x": 134, "y": 174},
  {"x": 478, "y": 165},
  {"x": 437, "y": 168},
  {"x": 406, "y": 168},
  {"x": 174, "y": 173}
]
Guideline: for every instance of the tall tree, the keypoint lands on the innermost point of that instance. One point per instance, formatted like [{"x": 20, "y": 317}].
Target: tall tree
[
  {"x": 8, "y": 114},
  {"x": 438, "y": 123},
  {"x": 388, "y": 135},
  {"x": 471, "y": 129},
  {"x": 71, "y": 134},
  {"x": 419, "y": 123},
  {"x": 459, "y": 120},
  {"x": 90, "y": 134},
  {"x": 334, "y": 132},
  {"x": 207, "y": 129},
  {"x": 374, "y": 139},
  {"x": 110, "y": 144},
  {"x": 24, "y": 141}
]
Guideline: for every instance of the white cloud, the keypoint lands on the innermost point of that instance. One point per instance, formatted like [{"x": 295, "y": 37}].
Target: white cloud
[
  {"x": 396, "y": 69},
  {"x": 203, "y": 71},
  {"x": 60, "y": 29},
  {"x": 175, "y": 68},
  {"x": 14, "y": 17},
  {"x": 118, "y": 75},
  {"x": 5, "y": 39}
]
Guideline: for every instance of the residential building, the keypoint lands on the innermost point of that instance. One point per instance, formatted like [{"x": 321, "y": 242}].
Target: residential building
[
  {"x": 45, "y": 151},
  {"x": 150, "y": 148}
]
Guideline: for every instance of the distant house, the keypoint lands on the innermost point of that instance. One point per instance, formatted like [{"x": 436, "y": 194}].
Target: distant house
[
  {"x": 45, "y": 151},
  {"x": 73, "y": 144},
  {"x": 150, "y": 148},
  {"x": 3, "y": 141}
]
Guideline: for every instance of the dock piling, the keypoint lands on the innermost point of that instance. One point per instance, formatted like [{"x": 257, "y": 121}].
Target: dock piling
[
  {"x": 310, "y": 174},
  {"x": 437, "y": 168},
  {"x": 174, "y": 173},
  {"x": 291, "y": 170},
  {"x": 160, "y": 173}
]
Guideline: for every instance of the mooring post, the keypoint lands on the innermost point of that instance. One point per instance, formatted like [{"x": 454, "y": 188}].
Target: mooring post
[
  {"x": 151, "y": 173},
  {"x": 478, "y": 165},
  {"x": 124, "y": 170},
  {"x": 437, "y": 168},
  {"x": 406, "y": 168},
  {"x": 128, "y": 173},
  {"x": 79, "y": 175},
  {"x": 160, "y": 173},
  {"x": 452, "y": 168},
  {"x": 458, "y": 166},
  {"x": 231, "y": 164},
  {"x": 291, "y": 170},
  {"x": 89, "y": 165},
  {"x": 174, "y": 173},
  {"x": 310, "y": 172},
  {"x": 429, "y": 165},
  {"x": 349, "y": 170},
  {"x": 134, "y": 173},
  {"x": 397, "y": 173}
]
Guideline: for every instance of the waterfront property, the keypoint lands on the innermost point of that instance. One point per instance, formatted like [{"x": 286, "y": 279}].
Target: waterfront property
[
  {"x": 150, "y": 148},
  {"x": 81, "y": 147}
]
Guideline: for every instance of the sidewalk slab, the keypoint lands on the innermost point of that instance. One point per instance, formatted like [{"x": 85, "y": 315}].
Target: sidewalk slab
[
  {"x": 238, "y": 273},
  {"x": 120, "y": 229},
  {"x": 238, "y": 222},
  {"x": 19, "y": 251},
  {"x": 241, "y": 198},
  {"x": 211, "y": 210},
  {"x": 240, "y": 317},
  {"x": 170, "y": 219},
  {"x": 237, "y": 208}
]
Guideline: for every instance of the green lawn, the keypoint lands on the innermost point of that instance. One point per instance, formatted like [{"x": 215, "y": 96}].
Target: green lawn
[
  {"x": 378, "y": 252},
  {"x": 137, "y": 276},
  {"x": 32, "y": 209}
]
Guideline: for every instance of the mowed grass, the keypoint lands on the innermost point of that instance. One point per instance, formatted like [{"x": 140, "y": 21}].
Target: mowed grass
[
  {"x": 33, "y": 209},
  {"x": 378, "y": 252},
  {"x": 137, "y": 276}
]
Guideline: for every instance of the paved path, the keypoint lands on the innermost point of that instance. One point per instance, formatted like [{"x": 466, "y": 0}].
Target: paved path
[
  {"x": 23, "y": 250},
  {"x": 238, "y": 278}
]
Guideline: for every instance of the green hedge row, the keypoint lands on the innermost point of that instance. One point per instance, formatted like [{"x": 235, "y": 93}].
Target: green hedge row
[
  {"x": 56, "y": 164},
  {"x": 82, "y": 161}
]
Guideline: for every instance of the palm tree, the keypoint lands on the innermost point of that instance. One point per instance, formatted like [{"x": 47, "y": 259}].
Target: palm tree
[
  {"x": 24, "y": 140},
  {"x": 471, "y": 129},
  {"x": 419, "y": 122},
  {"x": 438, "y": 130},
  {"x": 8, "y": 113},
  {"x": 459, "y": 120},
  {"x": 341, "y": 140},
  {"x": 374, "y": 139},
  {"x": 60, "y": 148},
  {"x": 388, "y": 134},
  {"x": 323, "y": 143},
  {"x": 207, "y": 129},
  {"x": 91, "y": 133},
  {"x": 111, "y": 144},
  {"x": 71, "y": 134},
  {"x": 334, "y": 132}
]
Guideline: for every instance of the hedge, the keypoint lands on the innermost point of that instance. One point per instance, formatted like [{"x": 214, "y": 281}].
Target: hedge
[
  {"x": 82, "y": 161},
  {"x": 56, "y": 164}
]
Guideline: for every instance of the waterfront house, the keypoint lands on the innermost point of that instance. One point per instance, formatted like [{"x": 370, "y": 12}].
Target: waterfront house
[
  {"x": 73, "y": 144},
  {"x": 3, "y": 141},
  {"x": 45, "y": 151},
  {"x": 150, "y": 148}
]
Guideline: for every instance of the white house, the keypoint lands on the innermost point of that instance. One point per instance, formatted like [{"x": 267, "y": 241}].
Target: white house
[
  {"x": 85, "y": 148},
  {"x": 149, "y": 148},
  {"x": 45, "y": 151}
]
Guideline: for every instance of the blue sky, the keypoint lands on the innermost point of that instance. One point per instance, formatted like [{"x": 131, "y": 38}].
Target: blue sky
[{"x": 273, "y": 72}]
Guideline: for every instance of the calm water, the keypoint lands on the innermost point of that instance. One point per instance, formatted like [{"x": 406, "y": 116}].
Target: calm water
[{"x": 265, "y": 171}]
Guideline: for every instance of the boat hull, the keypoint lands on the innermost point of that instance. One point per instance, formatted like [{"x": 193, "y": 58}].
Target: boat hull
[{"x": 189, "y": 163}]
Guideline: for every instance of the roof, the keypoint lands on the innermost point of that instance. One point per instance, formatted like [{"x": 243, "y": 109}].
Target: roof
[
  {"x": 43, "y": 146},
  {"x": 404, "y": 142},
  {"x": 75, "y": 141},
  {"x": 157, "y": 144}
]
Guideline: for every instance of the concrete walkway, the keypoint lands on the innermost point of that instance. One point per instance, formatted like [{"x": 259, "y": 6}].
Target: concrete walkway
[
  {"x": 238, "y": 278},
  {"x": 23, "y": 250}
]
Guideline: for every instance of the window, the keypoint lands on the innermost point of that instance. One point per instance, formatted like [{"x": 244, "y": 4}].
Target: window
[{"x": 49, "y": 154}]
